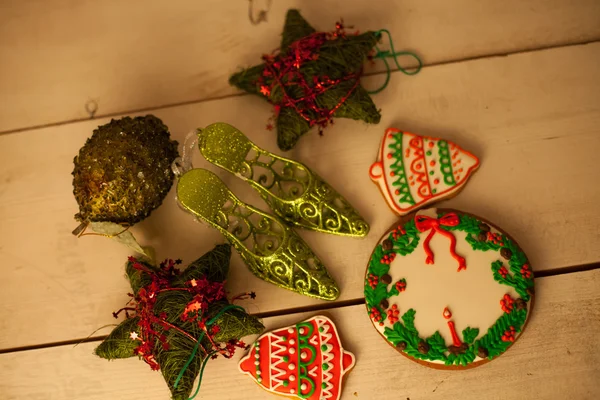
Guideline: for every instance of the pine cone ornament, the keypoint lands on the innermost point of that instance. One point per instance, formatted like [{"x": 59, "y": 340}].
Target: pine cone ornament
[{"x": 123, "y": 171}]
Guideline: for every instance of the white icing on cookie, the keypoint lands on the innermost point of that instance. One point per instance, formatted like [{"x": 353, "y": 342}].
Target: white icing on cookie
[{"x": 413, "y": 170}]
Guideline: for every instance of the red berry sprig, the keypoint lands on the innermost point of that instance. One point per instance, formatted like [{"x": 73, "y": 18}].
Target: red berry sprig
[
  {"x": 509, "y": 335},
  {"x": 388, "y": 258},
  {"x": 495, "y": 238},
  {"x": 399, "y": 231},
  {"x": 503, "y": 272},
  {"x": 401, "y": 285},
  {"x": 526, "y": 271},
  {"x": 393, "y": 314},
  {"x": 507, "y": 303},
  {"x": 375, "y": 315},
  {"x": 373, "y": 280}
]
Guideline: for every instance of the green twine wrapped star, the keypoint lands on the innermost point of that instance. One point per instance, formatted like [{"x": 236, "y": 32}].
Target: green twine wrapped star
[
  {"x": 314, "y": 78},
  {"x": 174, "y": 350}
]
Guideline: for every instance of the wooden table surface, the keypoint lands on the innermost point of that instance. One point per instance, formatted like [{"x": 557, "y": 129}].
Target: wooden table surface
[{"x": 515, "y": 82}]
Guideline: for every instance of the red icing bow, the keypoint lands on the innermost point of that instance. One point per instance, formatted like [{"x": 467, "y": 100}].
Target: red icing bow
[{"x": 424, "y": 223}]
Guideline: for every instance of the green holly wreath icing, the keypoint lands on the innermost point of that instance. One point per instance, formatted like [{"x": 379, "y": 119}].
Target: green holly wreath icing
[{"x": 511, "y": 269}]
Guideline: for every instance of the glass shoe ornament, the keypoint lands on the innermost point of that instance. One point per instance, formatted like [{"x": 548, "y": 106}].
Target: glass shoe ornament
[
  {"x": 296, "y": 194},
  {"x": 272, "y": 250}
]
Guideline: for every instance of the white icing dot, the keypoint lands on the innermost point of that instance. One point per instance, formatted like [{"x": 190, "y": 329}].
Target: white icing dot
[
  {"x": 303, "y": 387},
  {"x": 301, "y": 330},
  {"x": 304, "y": 355},
  {"x": 292, "y": 342},
  {"x": 292, "y": 391},
  {"x": 292, "y": 378},
  {"x": 257, "y": 355},
  {"x": 292, "y": 350},
  {"x": 292, "y": 367},
  {"x": 258, "y": 372},
  {"x": 259, "y": 379},
  {"x": 291, "y": 330},
  {"x": 256, "y": 362}
]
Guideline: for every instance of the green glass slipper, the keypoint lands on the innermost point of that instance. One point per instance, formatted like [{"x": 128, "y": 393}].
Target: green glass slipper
[
  {"x": 272, "y": 250},
  {"x": 295, "y": 193}
]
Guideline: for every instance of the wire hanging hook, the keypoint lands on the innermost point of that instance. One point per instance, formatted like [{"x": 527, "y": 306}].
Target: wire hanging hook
[
  {"x": 262, "y": 14},
  {"x": 183, "y": 164}
]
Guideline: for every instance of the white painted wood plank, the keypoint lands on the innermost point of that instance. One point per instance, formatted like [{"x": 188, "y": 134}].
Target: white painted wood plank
[
  {"x": 534, "y": 119},
  {"x": 56, "y": 55},
  {"x": 557, "y": 357}
]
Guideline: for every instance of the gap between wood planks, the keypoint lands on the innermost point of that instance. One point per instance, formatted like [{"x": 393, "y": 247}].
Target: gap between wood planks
[
  {"x": 190, "y": 102},
  {"x": 296, "y": 310}
]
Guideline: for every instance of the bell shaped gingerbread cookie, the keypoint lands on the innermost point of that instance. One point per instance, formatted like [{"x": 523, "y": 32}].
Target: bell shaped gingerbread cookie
[
  {"x": 412, "y": 171},
  {"x": 305, "y": 360}
]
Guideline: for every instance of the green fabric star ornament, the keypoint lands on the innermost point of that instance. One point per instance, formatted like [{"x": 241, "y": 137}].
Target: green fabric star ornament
[
  {"x": 314, "y": 77},
  {"x": 177, "y": 321}
]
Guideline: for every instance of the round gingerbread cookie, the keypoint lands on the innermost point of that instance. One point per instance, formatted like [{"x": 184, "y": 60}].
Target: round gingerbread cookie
[{"x": 448, "y": 289}]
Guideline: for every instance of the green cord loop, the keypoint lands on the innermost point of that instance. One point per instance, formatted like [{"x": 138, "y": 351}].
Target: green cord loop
[
  {"x": 208, "y": 356},
  {"x": 195, "y": 350},
  {"x": 384, "y": 55},
  {"x": 189, "y": 361}
]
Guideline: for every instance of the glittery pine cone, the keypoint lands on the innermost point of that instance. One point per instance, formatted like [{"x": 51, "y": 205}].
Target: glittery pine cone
[{"x": 123, "y": 171}]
